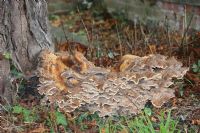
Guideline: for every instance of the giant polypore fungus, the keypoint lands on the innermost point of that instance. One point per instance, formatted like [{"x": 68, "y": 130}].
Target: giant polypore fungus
[{"x": 73, "y": 82}]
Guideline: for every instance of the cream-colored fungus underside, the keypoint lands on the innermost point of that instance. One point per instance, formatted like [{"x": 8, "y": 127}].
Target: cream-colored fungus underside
[{"x": 73, "y": 82}]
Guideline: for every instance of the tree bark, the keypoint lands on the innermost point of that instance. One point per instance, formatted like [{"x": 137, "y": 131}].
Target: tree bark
[{"x": 23, "y": 33}]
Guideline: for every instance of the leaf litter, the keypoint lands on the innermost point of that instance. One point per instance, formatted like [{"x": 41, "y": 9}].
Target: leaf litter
[{"x": 109, "y": 39}]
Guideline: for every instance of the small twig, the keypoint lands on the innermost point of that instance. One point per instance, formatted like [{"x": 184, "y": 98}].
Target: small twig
[
  {"x": 4, "y": 107},
  {"x": 70, "y": 49},
  {"x": 191, "y": 42},
  {"x": 7, "y": 104},
  {"x": 135, "y": 35},
  {"x": 185, "y": 32},
  {"x": 86, "y": 30},
  {"x": 130, "y": 45},
  {"x": 168, "y": 35},
  {"x": 59, "y": 12},
  {"x": 63, "y": 28},
  {"x": 119, "y": 39},
  {"x": 145, "y": 37},
  {"x": 6, "y": 120}
]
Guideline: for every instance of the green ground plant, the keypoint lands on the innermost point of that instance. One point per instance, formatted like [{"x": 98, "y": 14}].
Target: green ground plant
[
  {"x": 29, "y": 116},
  {"x": 52, "y": 121},
  {"x": 143, "y": 123},
  {"x": 56, "y": 119},
  {"x": 196, "y": 67},
  {"x": 140, "y": 124}
]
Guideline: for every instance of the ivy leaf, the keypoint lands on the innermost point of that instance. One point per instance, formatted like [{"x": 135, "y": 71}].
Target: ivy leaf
[
  {"x": 147, "y": 111},
  {"x": 7, "y": 55},
  {"x": 60, "y": 119},
  {"x": 195, "y": 68},
  {"x": 82, "y": 117},
  {"x": 198, "y": 63},
  {"x": 111, "y": 55},
  {"x": 29, "y": 116},
  {"x": 52, "y": 130},
  {"x": 17, "y": 109}
]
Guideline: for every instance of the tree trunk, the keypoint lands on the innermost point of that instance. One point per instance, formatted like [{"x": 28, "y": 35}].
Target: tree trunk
[{"x": 23, "y": 33}]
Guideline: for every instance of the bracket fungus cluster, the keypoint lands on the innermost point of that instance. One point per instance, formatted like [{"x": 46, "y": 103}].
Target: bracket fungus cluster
[{"x": 73, "y": 82}]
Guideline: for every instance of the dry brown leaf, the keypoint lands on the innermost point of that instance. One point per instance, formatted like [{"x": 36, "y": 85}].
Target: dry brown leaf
[
  {"x": 152, "y": 48},
  {"x": 40, "y": 129}
]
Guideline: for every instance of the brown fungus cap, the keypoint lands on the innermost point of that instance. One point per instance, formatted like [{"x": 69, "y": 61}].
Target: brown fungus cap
[{"x": 73, "y": 82}]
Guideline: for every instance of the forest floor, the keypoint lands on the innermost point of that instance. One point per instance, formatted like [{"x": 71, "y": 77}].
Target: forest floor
[{"x": 108, "y": 38}]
